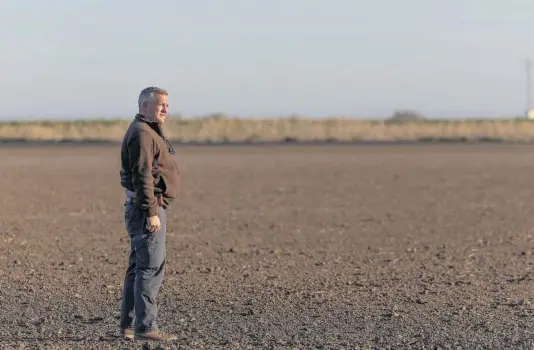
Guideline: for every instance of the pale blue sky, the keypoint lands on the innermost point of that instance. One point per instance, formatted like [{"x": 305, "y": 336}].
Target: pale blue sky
[{"x": 91, "y": 58}]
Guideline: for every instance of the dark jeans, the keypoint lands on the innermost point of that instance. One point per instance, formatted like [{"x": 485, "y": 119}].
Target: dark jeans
[{"x": 144, "y": 274}]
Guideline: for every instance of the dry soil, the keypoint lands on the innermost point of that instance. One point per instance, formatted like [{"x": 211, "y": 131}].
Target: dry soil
[{"x": 283, "y": 247}]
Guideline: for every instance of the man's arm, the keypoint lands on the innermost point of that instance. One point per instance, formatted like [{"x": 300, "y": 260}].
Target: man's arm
[{"x": 141, "y": 151}]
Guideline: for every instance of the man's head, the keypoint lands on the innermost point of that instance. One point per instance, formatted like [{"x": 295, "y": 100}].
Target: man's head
[{"x": 153, "y": 104}]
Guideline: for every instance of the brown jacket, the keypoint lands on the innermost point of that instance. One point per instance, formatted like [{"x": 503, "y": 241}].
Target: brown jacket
[{"x": 148, "y": 165}]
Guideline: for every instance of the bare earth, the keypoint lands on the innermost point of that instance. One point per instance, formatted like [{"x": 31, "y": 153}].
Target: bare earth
[{"x": 286, "y": 247}]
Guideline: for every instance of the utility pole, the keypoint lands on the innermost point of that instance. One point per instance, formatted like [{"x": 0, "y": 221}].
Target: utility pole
[{"x": 528, "y": 71}]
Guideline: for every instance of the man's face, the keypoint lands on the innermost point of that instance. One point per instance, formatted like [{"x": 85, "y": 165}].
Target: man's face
[{"x": 156, "y": 109}]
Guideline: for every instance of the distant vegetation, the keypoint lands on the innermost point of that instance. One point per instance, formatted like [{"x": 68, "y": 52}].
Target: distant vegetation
[{"x": 402, "y": 125}]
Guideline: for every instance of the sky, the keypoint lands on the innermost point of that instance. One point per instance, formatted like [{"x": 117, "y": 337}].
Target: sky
[{"x": 355, "y": 58}]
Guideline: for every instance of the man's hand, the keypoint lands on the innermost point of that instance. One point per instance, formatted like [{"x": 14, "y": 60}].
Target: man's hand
[{"x": 153, "y": 224}]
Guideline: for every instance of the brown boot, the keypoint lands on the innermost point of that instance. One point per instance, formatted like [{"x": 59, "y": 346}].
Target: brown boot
[
  {"x": 155, "y": 335},
  {"x": 127, "y": 333}
]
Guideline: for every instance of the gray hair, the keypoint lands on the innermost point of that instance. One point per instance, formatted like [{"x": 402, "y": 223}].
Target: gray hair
[{"x": 150, "y": 92}]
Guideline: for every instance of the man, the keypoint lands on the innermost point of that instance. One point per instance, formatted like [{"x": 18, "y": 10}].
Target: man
[{"x": 150, "y": 177}]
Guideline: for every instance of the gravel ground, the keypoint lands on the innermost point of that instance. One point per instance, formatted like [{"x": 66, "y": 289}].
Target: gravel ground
[{"x": 286, "y": 247}]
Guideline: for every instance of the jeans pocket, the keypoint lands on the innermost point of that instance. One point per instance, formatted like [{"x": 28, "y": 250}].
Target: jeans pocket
[{"x": 134, "y": 219}]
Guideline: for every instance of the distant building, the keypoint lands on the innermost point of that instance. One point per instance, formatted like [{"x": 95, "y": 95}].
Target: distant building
[{"x": 530, "y": 114}]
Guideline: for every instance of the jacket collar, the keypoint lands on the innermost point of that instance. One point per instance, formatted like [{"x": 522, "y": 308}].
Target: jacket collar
[{"x": 156, "y": 126}]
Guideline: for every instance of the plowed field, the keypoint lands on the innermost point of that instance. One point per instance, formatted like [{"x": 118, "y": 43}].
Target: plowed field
[{"x": 278, "y": 247}]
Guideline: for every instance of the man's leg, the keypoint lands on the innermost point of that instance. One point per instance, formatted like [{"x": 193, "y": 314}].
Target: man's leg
[
  {"x": 127, "y": 313},
  {"x": 127, "y": 305},
  {"x": 149, "y": 270}
]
